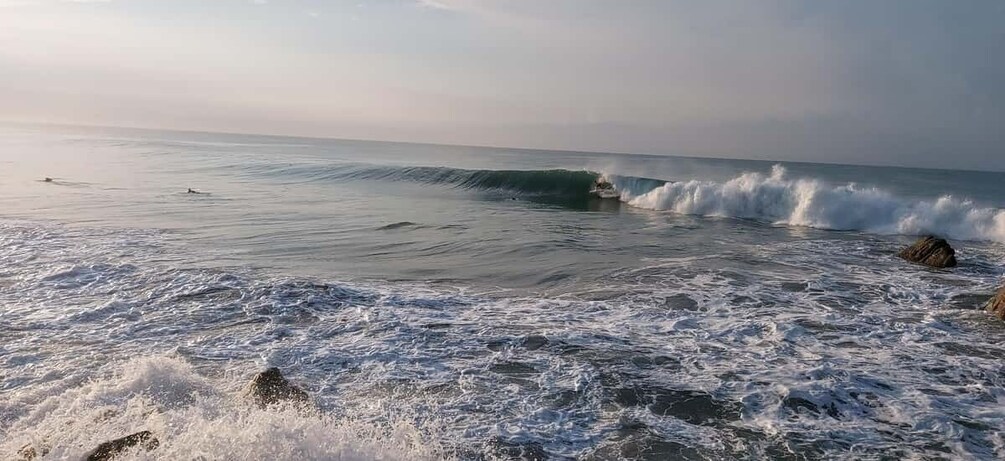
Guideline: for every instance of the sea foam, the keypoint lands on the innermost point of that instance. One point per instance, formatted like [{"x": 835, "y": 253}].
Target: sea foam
[
  {"x": 779, "y": 199},
  {"x": 194, "y": 417}
]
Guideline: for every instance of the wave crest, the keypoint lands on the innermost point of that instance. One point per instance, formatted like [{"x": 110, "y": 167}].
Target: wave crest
[
  {"x": 555, "y": 182},
  {"x": 773, "y": 197},
  {"x": 808, "y": 202}
]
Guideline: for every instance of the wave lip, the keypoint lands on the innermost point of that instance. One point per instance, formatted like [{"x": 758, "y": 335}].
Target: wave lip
[
  {"x": 551, "y": 183},
  {"x": 774, "y": 197},
  {"x": 808, "y": 202}
]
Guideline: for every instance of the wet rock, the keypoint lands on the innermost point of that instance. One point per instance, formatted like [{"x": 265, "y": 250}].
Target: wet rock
[
  {"x": 996, "y": 305},
  {"x": 930, "y": 251},
  {"x": 534, "y": 342},
  {"x": 680, "y": 301},
  {"x": 28, "y": 452},
  {"x": 270, "y": 387},
  {"x": 113, "y": 448}
]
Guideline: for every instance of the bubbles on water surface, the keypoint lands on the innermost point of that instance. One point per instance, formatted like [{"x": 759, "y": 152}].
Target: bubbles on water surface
[{"x": 830, "y": 351}]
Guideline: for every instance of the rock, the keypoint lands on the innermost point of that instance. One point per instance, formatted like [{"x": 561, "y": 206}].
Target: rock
[
  {"x": 930, "y": 251},
  {"x": 28, "y": 452},
  {"x": 996, "y": 305},
  {"x": 270, "y": 387},
  {"x": 113, "y": 448}
]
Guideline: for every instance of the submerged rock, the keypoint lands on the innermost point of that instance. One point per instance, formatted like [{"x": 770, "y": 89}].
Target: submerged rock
[
  {"x": 930, "y": 251},
  {"x": 270, "y": 387},
  {"x": 113, "y": 448},
  {"x": 996, "y": 305}
]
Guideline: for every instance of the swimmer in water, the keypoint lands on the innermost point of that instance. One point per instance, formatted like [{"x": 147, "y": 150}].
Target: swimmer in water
[{"x": 48, "y": 179}]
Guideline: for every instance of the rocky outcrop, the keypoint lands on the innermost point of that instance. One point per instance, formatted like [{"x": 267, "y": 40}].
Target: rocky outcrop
[
  {"x": 270, "y": 387},
  {"x": 996, "y": 305},
  {"x": 112, "y": 448},
  {"x": 930, "y": 251}
]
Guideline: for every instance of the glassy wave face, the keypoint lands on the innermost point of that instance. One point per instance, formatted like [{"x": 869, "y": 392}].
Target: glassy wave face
[
  {"x": 774, "y": 197},
  {"x": 468, "y": 303}
]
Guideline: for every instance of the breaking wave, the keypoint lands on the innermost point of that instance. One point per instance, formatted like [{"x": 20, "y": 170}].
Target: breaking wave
[
  {"x": 807, "y": 202},
  {"x": 774, "y": 197},
  {"x": 557, "y": 182},
  {"x": 194, "y": 417}
]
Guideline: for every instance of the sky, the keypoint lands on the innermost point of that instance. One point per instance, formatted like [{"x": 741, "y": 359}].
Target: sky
[{"x": 909, "y": 82}]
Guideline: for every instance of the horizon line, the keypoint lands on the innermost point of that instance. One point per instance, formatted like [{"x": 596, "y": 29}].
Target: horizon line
[{"x": 485, "y": 146}]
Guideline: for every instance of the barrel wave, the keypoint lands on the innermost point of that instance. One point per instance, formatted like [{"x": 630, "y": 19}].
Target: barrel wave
[
  {"x": 556, "y": 182},
  {"x": 774, "y": 197}
]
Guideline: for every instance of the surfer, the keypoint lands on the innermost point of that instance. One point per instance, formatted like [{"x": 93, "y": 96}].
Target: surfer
[
  {"x": 602, "y": 188},
  {"x": 192, "y": 191},
  {"x": 48, "y": 179}
]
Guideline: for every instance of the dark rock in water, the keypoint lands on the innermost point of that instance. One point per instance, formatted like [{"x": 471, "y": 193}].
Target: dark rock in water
[
  {"x": 681, "y": 301},
  {"x": 534, "y": 342},
  {"x": 113, "y": 448},
  {"x": 996, "y": 305},
  {"x": 28, "y": 452},
  {"x": 930, "y": 251},
  {"x": 270, "y": 387}
]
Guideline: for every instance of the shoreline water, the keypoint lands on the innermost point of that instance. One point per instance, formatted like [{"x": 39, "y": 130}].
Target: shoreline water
[{"x": 431, "y": 320}]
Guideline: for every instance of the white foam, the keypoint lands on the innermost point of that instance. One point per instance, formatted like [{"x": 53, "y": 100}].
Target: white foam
[
  {"x": 415, "y": 368},
  {"x": 812, "y": 203},
  {"x": 194, "y": 417}
]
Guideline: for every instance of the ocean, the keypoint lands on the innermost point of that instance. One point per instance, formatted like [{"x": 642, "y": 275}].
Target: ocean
[{"x": 445, "y": 302}]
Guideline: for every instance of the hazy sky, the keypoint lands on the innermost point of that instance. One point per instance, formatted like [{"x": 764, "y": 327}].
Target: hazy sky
[{"x": 912, "y": 82}]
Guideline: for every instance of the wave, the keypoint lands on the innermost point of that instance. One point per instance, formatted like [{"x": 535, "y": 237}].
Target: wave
[
  {"x": 193, "y": 416},
  {"x": 773, "y": 197},
  {"x": 554, "y": 182},
  {"x": 812, "y": 203}
]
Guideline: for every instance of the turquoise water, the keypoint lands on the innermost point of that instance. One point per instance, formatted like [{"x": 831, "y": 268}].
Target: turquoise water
[{"x": 468, "y": 302}]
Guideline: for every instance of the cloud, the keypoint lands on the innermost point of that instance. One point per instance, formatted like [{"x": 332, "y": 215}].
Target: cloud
[
  {"x": 440, "y": 5},
  {"x": 847, "y": 80}
]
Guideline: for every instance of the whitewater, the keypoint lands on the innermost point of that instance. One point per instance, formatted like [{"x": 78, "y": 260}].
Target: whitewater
[
  {"x": 779, "y": 199},
  {"x": 443, "y": 302}
]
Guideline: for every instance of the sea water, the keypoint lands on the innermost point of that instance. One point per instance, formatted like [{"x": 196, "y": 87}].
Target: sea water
[{"x": 444, "y": 302}]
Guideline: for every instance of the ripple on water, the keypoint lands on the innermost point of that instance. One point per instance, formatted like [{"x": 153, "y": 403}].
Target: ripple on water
[{"x": 678, "y": 359}]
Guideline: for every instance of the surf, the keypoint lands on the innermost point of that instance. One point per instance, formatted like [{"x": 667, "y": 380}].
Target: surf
[
  {"x": 774, "y": 197},
  {"x": 777, "y": 198}
]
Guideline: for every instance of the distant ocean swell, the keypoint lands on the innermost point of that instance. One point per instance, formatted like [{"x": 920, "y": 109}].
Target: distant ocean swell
[{"x": 773, "y": 197}]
